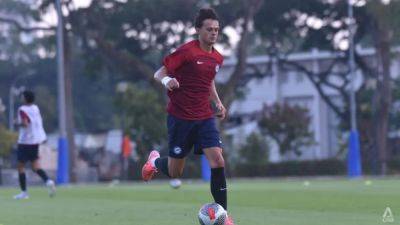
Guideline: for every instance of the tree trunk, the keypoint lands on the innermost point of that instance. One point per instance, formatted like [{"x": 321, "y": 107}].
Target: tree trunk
[
  {"x": 69, "y": 108},
  {"x": 228, "y": 90},
  {"x": 382, "y": 97}
]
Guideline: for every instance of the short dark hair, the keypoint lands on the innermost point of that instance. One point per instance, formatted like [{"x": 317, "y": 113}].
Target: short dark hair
[
  {"x": 29, "y": 96},
  {"x": 203, "y": 14}
]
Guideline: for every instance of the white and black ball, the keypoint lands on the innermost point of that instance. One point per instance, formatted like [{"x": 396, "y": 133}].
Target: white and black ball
[
  {"x": 175, "y": 183},
  {"x": 212, "y": 214}
]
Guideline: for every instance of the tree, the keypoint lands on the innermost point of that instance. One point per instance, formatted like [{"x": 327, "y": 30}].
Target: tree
[
  {"x": 255, "y": 151},
  {"x": 229, "y": 89},
  {"x": 47, "y": 105},
  {"x": 385, "y": 22},
  {"x": 25, "y": 13},
  {"x": 142, "y": 116},
  {"x": 7, "y": 140},
  {"x": 133, "y": 36},
  {"x": 292, "y": 26},
  {"x": 287, "y": 27},
  {"x": 288, "y": 126}
]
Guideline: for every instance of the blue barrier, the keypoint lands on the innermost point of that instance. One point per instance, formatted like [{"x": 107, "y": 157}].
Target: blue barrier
[
  {"x": 63, "y": 162},
  {"x": 205, "y": 169},
  {"x": 353, "y": 157}
]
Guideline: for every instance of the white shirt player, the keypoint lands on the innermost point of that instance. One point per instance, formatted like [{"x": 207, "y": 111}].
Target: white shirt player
[{"x": 33, "y": 133}]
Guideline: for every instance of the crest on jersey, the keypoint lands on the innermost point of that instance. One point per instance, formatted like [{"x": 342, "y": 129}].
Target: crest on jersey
[
  {"x": 216, "y": 68},
  {"x": 177, "y": 150}
]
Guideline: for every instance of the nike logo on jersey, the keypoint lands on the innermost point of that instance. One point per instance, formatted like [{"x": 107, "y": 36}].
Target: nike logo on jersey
[{"x": 199, "y": 62}]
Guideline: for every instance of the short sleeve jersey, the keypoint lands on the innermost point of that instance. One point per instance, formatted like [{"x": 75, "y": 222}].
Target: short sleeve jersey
[
  {"x": 33, "y": 133},
  {"x": 195, "y": 69}
]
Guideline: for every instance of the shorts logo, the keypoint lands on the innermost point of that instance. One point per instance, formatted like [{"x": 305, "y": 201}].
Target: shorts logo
[
  {"x": 177, "y": 150},
  {"x": 217, "y": 68}
]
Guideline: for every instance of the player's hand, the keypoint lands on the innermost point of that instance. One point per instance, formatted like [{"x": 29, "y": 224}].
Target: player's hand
[
  {"x": 221, "y": 110},
  {"x": 172, "y": 84},
  {"x": 17, "y": 123}
]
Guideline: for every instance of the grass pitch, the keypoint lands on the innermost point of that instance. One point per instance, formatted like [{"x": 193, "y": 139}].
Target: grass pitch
[{"x": 251, "y": 202}]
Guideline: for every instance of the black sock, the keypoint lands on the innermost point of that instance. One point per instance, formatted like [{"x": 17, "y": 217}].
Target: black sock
[
  {"x": 218, "y": 186},
  {"x": 22, "y": 181},
  {"x": 162, "y": 165},
  {"x": 42, "y": 174}
]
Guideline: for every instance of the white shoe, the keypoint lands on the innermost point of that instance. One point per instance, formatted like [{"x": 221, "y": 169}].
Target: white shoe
[
  {"x": 22, "y": 195},
  {"x": 51, "y": 187}
]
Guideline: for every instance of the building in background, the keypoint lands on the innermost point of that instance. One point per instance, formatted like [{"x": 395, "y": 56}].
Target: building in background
[{"x": 294, "y": 88}]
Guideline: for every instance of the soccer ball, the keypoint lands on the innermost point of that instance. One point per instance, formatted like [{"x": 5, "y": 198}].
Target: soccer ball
[
  {"x": 212, "y": 214},
  {"x": 175, "y": 183}
]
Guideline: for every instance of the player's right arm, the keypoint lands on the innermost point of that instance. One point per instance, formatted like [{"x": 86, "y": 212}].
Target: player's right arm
[
  {"x": 161, "y": 75},
  {"x": 171, "y": 63},
  {"x": 24, "y": 119}
]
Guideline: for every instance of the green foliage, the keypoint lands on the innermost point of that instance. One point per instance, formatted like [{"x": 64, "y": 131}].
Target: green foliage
[
  {"x": 327, "y": 167},
  {"x": 254, "y": 151},
  {"x": 387, "y": 16},
  {"x": 143, "y": 29},
  {"x": 288, "y": 126},
  {"x": 94, "y": 99},
  {"x": 7, "y": 140},
  {"x": 283, "y": 23},
  {"x": 146, "y": 30},
  {"x": 142, "y": 115},
  {"x": 394, "y": 120},
  {"x": 38, "y": 76},
  {"x": 47, "y": 104},
  {"x": 287, "y": 22}
]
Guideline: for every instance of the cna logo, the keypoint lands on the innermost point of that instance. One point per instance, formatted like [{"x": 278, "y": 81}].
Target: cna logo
[
  {"x": 388, "y": 216},
  {"x": 177, "y": 150}
]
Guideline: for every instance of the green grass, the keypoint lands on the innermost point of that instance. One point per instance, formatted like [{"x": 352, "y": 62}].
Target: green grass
[{"x": 251, "y": 202}]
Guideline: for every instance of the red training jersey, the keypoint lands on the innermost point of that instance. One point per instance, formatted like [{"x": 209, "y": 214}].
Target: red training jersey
[{"x": 195, "y": 69}]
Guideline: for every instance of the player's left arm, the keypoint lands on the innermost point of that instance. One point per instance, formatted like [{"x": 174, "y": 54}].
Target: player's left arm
[{"x": 215, "y": 98}]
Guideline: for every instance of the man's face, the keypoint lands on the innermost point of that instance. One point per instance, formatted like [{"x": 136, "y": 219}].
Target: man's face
[{"x": 208, "y": 33}]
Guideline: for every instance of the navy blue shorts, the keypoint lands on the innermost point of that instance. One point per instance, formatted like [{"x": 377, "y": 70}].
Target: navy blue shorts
[
  {"x": 27, "y": 153},
  {"x": 183, "y": 135}
]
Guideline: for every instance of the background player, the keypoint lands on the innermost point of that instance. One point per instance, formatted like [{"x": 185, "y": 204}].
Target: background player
[{"x": 31, "y": 135}]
